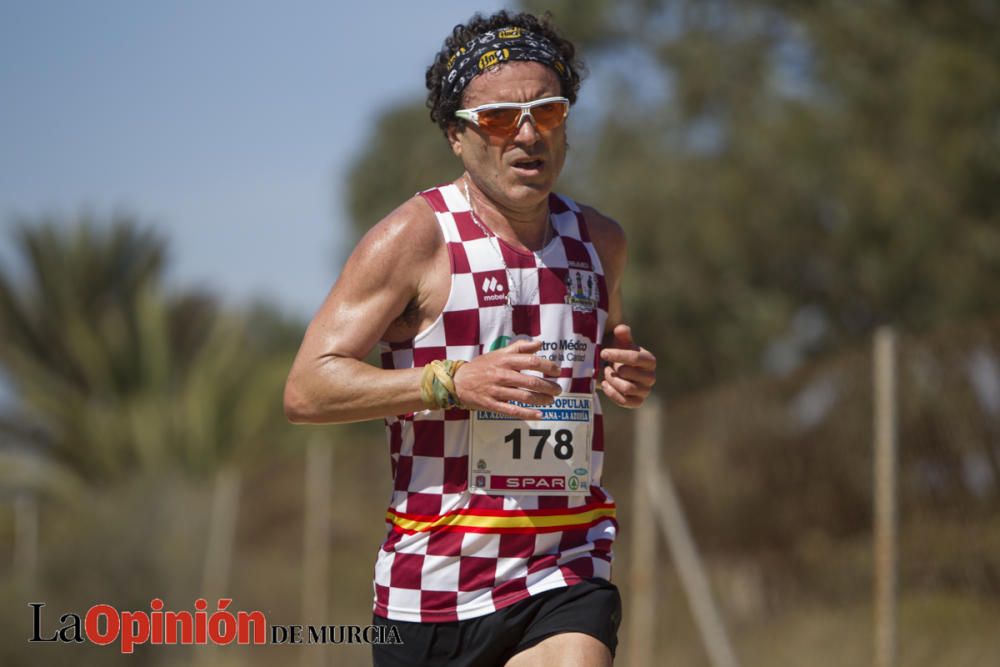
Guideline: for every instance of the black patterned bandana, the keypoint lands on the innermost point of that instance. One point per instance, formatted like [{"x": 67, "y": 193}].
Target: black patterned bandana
[{"x": 499, "y": 46}]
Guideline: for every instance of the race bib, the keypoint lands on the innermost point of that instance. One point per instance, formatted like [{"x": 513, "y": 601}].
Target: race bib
[{"x": 549, "y": 456}]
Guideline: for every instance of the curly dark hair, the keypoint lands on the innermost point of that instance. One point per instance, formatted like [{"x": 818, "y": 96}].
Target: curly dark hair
[{"x": 443, "y": 108}]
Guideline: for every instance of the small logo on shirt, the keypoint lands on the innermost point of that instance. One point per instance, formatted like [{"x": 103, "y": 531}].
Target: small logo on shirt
[
  {"x": 502, "y": 341},
  {"x": 492, "y": 288},
  {"x": 491, "y": 284}
]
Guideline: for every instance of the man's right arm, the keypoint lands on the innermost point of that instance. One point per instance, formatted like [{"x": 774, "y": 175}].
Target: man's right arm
[
  {"x": 328, "y": 381},
  {"x": 401, "y": 261}
]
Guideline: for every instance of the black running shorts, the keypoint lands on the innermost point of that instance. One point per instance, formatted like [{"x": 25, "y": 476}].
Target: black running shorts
[{"x": 592, "y": 607}]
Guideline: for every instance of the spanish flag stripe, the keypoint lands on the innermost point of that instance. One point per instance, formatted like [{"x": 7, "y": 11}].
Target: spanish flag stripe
[
  {"x": 496, "y": 523},
  {"x": 472, "y": 511},
  {"x": 506, "y": 531}
]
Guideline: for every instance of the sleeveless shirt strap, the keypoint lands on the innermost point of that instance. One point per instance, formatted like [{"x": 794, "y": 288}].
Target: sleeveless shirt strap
[
  {"x": 560, "y": 204},
  {"x": 584, "y": 234},
  {"x": 557, "y": 204},
  {"x": 436, "y": 200}
]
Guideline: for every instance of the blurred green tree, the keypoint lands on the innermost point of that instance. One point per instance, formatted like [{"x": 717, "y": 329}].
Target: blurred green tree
[
  {"x": 113, "y": 374},
  {"x": 790, "y": 175}
]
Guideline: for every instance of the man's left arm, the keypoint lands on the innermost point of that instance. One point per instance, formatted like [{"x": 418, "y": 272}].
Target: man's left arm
[{"x": 630, "y": 372}]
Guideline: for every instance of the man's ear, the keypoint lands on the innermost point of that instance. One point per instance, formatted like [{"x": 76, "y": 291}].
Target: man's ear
[{"x": 453, "y": 140}]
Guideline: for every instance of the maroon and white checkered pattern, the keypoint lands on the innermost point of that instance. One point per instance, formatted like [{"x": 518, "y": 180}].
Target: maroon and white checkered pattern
[{"x": 449, "y": 573}]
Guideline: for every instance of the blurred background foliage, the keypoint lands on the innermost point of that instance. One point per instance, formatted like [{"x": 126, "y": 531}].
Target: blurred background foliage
[
  {"x": 790, "y": 176},
  {"x": 118, "y": 377}
]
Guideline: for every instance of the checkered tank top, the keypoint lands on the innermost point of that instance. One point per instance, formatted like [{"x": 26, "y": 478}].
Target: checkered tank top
[{"x": 451, "y": 555}]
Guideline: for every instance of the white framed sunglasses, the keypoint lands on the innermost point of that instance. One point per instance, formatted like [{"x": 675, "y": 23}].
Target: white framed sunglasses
[{"x": 503, "y": 119}]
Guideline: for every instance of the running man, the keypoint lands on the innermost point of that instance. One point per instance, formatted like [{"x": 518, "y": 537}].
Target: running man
[{"x": 489, "y": 298}]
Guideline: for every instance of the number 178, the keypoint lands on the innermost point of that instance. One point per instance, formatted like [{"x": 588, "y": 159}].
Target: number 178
[{"x": 563, "y": 448}]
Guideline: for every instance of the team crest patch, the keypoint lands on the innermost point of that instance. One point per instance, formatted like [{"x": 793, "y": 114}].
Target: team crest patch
[{"x": 581, "y": 291}]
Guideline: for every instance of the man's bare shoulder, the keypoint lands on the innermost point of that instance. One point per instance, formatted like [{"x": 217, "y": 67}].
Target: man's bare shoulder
[
  {"x": 608, "y": 237},
  {"x": 396, "y": 278},
  {"x": 408, "y": 234}
]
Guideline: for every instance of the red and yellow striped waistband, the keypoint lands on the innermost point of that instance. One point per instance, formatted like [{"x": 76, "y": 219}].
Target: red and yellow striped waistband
[{"x": 503, "y": 521}]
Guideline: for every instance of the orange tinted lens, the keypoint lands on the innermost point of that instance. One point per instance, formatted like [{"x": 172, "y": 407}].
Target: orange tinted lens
[
  {"x": 548, "y": 116},
  {"x": 499, "y": 121}
]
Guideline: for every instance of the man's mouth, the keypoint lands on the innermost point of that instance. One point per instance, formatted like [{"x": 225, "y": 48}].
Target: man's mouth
[{"x": 529, "y": 164}]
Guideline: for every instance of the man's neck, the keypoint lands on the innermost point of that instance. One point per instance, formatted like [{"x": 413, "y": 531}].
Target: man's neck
[{"x": 527, "y": 227}]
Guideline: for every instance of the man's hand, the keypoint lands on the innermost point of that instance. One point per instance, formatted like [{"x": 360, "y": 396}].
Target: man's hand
[
  {"x": 631, "y": 370},
  {"x": 491, "y": 380}
]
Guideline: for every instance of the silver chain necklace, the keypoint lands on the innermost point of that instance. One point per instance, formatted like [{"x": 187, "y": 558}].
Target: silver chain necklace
[{"x": 493, "y": 238}]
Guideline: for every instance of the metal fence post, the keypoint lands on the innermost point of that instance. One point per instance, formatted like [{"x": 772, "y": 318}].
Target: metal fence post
[
  {"x": 885, "y": 506},
  {"x": 316, "y": 543},
  {"x": 641, "y": 618}
]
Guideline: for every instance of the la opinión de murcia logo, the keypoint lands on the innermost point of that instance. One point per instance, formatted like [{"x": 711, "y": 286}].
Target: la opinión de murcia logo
[{"x": 103, "y": 624}]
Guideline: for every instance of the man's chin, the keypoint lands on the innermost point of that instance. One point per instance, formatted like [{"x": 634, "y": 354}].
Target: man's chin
[
  {"x": 542, "y": 181},
  {"x": 528, "y": 192}
]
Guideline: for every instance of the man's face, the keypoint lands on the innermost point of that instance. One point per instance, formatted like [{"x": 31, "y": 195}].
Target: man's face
[{"x": 519, "y": 171}]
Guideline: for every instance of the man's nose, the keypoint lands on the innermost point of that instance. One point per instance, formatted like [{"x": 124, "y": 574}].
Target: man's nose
[{"x": 526, "y": 131}]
